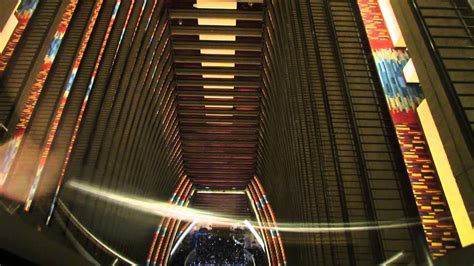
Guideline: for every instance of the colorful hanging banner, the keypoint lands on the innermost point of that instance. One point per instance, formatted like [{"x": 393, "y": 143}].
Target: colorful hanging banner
[
  {"x": 403, "y": 99},
  {"x": 83, "y": 108},
  {"x": 13, "y": 144},
  {"x": 44, "y": 152},
  {"x": 23, "y": 14}
]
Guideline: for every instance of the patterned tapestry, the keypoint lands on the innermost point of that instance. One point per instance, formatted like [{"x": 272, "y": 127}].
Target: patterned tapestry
[
  {"x": 402, "y": 100},
  {"x": 13, "y": 145},
  {"x": 83, "y": 108},
  {"x": 23, "y": 14}
]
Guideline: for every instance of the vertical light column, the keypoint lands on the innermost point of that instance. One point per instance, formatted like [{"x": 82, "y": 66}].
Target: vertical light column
[{"x": 448, "y": 181}]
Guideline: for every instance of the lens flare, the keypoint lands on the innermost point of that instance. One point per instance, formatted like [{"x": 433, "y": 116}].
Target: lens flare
[{"x": 165, "y": 209}]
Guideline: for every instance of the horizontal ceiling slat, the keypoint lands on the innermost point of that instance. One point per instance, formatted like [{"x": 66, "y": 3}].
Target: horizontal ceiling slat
[{"x": 216, "y": 13}]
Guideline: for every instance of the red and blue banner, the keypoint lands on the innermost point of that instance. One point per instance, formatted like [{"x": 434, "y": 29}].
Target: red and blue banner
[
  {"x": 403, "y": 99},
  {"x": 13, "y": 144},
  {"x": 23, "y": 14}
]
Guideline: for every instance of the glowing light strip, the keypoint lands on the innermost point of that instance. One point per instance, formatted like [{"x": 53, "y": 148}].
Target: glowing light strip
[
  {"x": 218, "y": 64},
  {"x": 30, "y": 104},
  {"x": 446, "y": 176},
  {"x": 166, "y": 209},
  {"x": 173, "y": 200},
  {"x": 271, "y": 225},
  {"x": 254, "y": 232},
  {"x": 272, "y": 215},
  {"x": 236, "y": 192},
  {"x": 165, "y": 221},
  {"x": 268, "y": 219},
  {"x": 183, "y": 227},
  {"x": 62, "y": 103},
  {"x": 173, "y": 231},
  {"x": 173, "y": 226},
  {"x": 181, "y": 238},
  {"x": 173, "y": 221},
  {"x": 273, "y": 220},
  {"x": 259, "y": 221},
  {"x": 268, "y": 239},
  {"x": 83, "y": 108},
  {"x": 155, "y": 237},
  {"x": 216, "y": 4},
  {"x": 266, "y": 224},
  {"x": 124, "y": 28},
  {"x": 173, "y": 238},
  {"x": 393, "y": 258}
]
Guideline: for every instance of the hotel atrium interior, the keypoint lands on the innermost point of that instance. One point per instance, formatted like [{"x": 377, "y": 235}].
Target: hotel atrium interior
[{"x": 237, "y": 132}]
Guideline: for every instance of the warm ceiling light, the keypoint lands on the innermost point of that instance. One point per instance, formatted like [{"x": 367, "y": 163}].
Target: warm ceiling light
[
  {"x": 218, "y": 51},
  {"x": 217, "y": 76},
  {"x": 218, "y": 87},
  {"x": 219, "y": 106},
  {"x": 217, "y": 64},
  {"x": 219, "y": 97},
  {"x": 216, "y": 4},
  {"x": 217, "y": 21},
  {"x": 240, "y": 192},
  {"x": 216, "y": 37}
]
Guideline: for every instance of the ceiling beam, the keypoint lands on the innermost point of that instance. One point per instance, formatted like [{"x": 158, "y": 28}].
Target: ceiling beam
[
  {"x": 217, "y": 103},
  {"x": 223, "y": 128},
  {"x": 221, "y": 45},
  {"x": 229, "y": 93},
  {"x": 216, "y": 13},
  {"x": 218, "y": 71},
  {"x": 244, "y": 60},
  {"x": 225, "y": 112},
  {"x": 238, "y": 153},
  {"x": 217, "y": 30},
  {"x": 202, "y": 82},
  {"x": 222, "y": 142}
]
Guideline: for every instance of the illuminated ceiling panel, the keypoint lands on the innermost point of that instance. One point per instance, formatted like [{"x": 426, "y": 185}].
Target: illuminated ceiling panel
[
  {"x": 215, "y": 37},
  {"x": 219, "y": 106},
  {"x": 209, "y": 114},
  {"x": 216, "y": 4},
  {"x": 217, "y": 64},
  {"x": 217, "y": 76},
  {"x": 218, "y": 97},
  {"x": 218, "y": 87},
  {"x": 217, "y": 21},
  {"x": 218, "y": 51}
]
